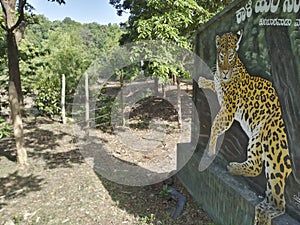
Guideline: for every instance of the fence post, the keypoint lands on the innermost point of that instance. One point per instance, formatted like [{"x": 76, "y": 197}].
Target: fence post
[
  {"x": 156, "y": 86},
  {"x": 87, "y": 105},
  {"x": 163, "y": 88},
  {"x": 122, "y": 98},
  {"x": 63, "y": 99},
  {"x": 179, "y": 102}
]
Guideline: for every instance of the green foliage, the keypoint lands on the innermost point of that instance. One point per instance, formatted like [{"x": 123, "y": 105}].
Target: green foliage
[
  {"x": 148, "y": 219},
  {"x": 98, "y": 38},
  {"x": 103, "y": 110},
  {"x": 48, "y": 98},
  {"x": 135, "y": 7},
  {"x": 66, "y": 56},
  {"x": 3, "y": 61},
  {"x": 31, "y": 60},
  {"x": 173, "y": 21},
  {"x": 5, "y": 129},
  {"x": 165, "y": 192},
  {"x": 50, "y": 49}
]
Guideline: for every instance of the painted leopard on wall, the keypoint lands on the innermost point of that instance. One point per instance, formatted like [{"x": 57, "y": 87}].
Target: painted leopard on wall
[{"x": 254, "y": 103}]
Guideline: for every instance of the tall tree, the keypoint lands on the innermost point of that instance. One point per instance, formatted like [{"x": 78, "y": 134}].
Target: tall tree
[
  {"x": 173, "y": 21},
  {"x": 199, "y": 11},
  {"x": 13, "y": 15}
]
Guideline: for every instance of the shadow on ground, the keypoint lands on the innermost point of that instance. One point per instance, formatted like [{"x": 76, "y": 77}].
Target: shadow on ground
[
  {"x": 16, "y": 185},
  {"x": 149, "y": 203},
  {"x": 42, "y": 138},
  {"x": 52, "y": 144},
  {"x": 48, "y": 147}
]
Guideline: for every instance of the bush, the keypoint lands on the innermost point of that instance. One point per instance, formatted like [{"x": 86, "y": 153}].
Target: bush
[
  {"x": 48, "y": 100},
  {"x": 103, "y": 110}
]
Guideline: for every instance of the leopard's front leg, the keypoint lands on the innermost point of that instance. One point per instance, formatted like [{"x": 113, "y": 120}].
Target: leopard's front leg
[
  {"x": 222, "y": 123},
  {"x": 208, "y": 84}
]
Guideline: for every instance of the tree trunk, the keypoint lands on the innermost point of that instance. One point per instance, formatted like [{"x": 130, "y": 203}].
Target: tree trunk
[{"x": 15, "y": 96}]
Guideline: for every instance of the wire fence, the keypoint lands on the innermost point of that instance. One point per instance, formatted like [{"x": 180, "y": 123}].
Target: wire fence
[{"x": 95, "y": 108}]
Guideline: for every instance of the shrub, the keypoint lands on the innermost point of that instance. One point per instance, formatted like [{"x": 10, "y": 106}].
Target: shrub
[
  {"x": 103, "y": 110},
  {"x": 48, "y": 100}
]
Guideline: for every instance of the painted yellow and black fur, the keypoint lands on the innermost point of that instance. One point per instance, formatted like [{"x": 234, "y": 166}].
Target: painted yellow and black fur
[{"x": 254, "y": 103}]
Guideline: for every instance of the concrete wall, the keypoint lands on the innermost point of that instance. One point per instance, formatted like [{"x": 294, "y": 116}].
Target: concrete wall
[{"x": 227, "y": 199}]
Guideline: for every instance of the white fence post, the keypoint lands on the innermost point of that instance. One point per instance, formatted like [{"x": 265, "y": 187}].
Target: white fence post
[
  {"x": 63, "y": 99},
  {"x": 87, "y": 105}
]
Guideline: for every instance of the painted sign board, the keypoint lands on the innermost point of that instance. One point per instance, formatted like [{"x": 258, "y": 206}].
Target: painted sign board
[{"x": 270, "y": 48}]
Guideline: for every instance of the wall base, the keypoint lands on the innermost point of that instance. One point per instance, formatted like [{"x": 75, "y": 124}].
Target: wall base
[{"x": 227, "y": 199}]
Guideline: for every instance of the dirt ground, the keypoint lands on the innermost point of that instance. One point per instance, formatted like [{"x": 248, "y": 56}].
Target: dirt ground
[{"x": 60, "y": 186}]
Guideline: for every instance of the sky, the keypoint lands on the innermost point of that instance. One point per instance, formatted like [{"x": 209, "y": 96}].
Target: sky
[{"x": 84, "y": 11}]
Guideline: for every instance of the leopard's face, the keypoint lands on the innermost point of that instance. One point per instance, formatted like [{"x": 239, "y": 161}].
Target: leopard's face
[{"x": 227, "y": 46}]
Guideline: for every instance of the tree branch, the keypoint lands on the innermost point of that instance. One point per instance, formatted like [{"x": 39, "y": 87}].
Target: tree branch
[
  {"x": 21, "y": 6},
  {"x": 4, "y": 15},
  {"x": 58, "y": 1},
  {"x": 3, "y": 7}
]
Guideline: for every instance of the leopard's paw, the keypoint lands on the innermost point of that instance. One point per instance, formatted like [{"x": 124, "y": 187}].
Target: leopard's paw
[
  {"x": 265, "y": 212},
  {"x": 202, "y": 82},
  {"x": 211, "y": 153},
  {"x": 234, "y": 168},
  {"x": 211, "y": 149}
]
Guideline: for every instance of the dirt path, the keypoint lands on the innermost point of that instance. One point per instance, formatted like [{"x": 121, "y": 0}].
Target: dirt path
[{"x": 59, "y": 187}]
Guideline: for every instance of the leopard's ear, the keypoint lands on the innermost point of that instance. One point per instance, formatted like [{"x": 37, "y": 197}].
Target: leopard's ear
[
  {"x": 218, "y": 40},
  {"x": 240, "y": 35}
]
